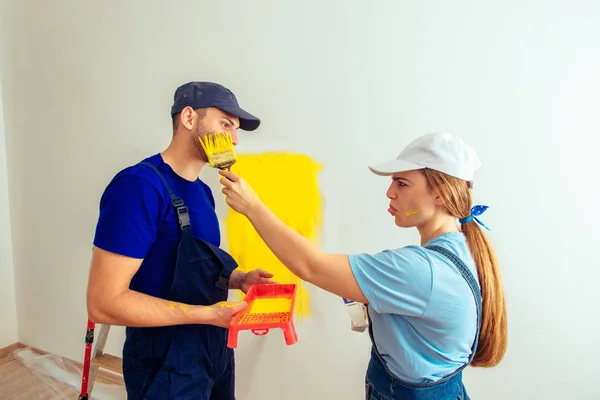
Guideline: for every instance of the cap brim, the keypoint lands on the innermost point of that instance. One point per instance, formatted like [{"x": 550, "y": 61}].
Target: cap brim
[
  {"x": 391, "y": 167},
  {"x": 248, "y": 122}
]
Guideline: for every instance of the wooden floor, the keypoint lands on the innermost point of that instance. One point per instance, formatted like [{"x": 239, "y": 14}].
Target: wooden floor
[{"x": 20, "y": 382}]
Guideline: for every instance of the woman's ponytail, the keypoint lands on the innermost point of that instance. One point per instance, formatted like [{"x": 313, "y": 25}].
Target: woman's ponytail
[
  {"x": 493, "y": 337},
  {"x": 494, "y": 327}
]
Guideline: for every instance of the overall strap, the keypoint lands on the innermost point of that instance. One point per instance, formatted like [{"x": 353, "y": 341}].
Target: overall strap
[
  {"x": 183, "y": 216},
  {"x": 468, "y": 276}
]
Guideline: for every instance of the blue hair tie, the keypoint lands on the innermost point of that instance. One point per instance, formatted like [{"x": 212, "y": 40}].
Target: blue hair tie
[{"x": 475, "y": 211}]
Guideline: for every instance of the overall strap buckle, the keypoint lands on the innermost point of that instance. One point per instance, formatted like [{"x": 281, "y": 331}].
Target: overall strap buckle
[
  {"x": 223, "y": 282},
  {"x": 183, "y": 215}
]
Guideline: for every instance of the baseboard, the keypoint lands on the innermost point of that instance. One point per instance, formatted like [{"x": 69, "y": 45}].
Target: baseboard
[{"x": 5, "y": 351}]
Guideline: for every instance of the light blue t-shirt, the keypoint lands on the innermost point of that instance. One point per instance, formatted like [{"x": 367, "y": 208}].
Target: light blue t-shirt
[{"x": 423, "y": 312}]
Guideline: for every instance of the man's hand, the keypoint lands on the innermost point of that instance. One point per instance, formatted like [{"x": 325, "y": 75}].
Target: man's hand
[
  {"x": 257, "y": 276},
  {"x": 221, "y": 313},
  {"x": 243, "y": 280}
]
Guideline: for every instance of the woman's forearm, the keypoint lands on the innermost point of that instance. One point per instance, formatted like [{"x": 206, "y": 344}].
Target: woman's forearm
[{"x": 296, "y": 252}]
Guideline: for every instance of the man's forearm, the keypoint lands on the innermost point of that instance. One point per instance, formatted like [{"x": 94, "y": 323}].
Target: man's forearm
[{"x": 136, "y": 309}]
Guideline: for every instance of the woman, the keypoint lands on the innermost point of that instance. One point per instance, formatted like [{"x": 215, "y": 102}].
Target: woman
[{"x": 434, "y": 308}]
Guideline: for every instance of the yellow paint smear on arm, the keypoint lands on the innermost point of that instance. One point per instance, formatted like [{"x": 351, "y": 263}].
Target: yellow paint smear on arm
[
  {"x": 227, "y": 304},
  {"x": 288, "y": 184},
  {"x": 181, "y": 306}
]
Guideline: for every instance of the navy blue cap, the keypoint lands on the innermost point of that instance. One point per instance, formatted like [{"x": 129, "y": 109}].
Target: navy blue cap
[{"x": 209, "y": 94}]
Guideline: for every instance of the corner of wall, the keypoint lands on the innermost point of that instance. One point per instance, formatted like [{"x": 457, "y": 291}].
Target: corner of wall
[{"x": 8, "y": 304}]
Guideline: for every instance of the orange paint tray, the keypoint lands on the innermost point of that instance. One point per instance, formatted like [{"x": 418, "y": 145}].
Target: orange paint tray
[{"x": 270, "y": 306}]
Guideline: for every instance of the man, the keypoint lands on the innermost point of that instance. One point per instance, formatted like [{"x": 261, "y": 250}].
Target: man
[{"x": 157, "y": 267}]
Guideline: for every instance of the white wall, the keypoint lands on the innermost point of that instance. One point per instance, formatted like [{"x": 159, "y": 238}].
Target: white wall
[
  {"x": 8, "y": 306},
  {"x": 88, "y": 89}
]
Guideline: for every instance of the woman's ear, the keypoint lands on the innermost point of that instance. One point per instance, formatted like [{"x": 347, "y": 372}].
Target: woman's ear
[{"x": 438, "y": 200}]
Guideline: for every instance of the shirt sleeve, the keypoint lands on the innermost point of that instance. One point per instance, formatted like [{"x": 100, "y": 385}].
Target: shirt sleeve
[
  {"x": 209, "y": 193},
  {"x": 130, "y": 215},
  {"x": 395, "y": 281}
]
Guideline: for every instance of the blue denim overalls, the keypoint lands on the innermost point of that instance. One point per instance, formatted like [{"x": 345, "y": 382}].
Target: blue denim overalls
[
  {"x": 185, "y": 361},
  {"x": 381, "y": 384}
]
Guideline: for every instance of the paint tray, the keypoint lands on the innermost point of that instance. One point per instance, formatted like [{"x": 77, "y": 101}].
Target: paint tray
[{"x": 270, "y": 306}]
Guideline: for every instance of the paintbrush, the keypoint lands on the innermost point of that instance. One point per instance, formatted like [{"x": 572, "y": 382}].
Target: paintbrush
[{"x": 219, "y": 150}]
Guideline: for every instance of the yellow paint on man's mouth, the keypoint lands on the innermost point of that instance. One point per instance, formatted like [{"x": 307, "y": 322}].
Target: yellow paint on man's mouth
[{"x": 288, "y": 184}]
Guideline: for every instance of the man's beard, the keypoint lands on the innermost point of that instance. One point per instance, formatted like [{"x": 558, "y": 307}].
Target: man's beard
[{"x": 200, "y": 131}]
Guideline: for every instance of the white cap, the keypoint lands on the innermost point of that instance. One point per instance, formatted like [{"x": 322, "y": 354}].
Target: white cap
[{"x": 438, "y": 151}]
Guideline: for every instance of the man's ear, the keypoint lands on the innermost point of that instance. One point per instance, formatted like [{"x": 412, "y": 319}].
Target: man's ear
[{"x": 187, "y": 118}]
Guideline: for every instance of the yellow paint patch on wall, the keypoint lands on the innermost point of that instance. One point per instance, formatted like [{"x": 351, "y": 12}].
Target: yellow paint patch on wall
[{"x": 288, "y": 184}]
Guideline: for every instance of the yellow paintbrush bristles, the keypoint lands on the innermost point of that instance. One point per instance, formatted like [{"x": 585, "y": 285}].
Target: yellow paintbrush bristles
[{"x": 219, "y": 150}]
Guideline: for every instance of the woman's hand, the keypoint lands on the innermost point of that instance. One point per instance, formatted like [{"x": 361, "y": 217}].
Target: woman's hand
[{"x": 240, "y": 196}]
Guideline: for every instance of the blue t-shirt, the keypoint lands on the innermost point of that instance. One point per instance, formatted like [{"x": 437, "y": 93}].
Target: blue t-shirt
[
  {"x": 138, "y": 220},
  {"x": 423, "y": 311}
]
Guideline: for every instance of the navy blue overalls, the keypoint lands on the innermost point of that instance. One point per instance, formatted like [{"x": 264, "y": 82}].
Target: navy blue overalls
[
  {"x": 185, "y": 361},
  {"x": 381, "y": 384}
]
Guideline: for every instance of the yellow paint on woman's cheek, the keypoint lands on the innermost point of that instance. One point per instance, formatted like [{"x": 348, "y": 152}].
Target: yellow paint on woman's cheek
[
  {"x": 288, "y": 184},
  {"x": 408, "y": 214}
]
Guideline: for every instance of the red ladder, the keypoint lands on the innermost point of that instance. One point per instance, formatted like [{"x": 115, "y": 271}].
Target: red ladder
[{"x": 99, "y": 359}]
